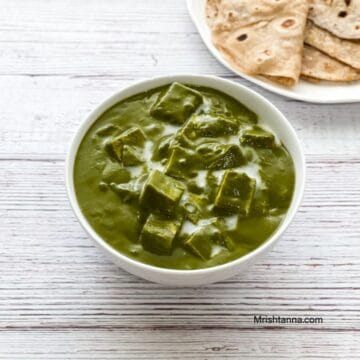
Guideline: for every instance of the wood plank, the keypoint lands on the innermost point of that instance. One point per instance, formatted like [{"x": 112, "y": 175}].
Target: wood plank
[
  {"x": 56, "y": 278},
  {"x": 60, "y": 298},
  {"x": 331, "y": 130},
  {"x": 179, "y": 344}
]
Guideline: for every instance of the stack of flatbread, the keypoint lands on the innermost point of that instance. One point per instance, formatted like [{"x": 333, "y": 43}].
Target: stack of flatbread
[{"x": 285, "y": 39}]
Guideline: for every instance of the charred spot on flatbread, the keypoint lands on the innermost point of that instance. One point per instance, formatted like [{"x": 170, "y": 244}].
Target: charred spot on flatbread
[
  {"x": 288, "y": 23},
  {"x": 342, "y": 14},
  {"x": 242, "y": 37}
]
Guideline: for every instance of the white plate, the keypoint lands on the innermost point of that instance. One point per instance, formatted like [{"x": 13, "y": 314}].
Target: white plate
[{"x": 323, "y": 92}]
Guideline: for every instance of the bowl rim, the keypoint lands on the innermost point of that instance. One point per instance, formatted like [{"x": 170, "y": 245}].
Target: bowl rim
[{"x": 119, "y": 95}]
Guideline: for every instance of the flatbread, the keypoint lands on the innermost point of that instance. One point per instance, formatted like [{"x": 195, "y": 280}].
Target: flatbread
[
  {"x": 262, "y": 37},
  {"x": 340, "y": 17},
  {"x": 318, "y": 65},
  {"x": 346, "y": 51},
  {"x": 310, "y": 79},
  {"x": 211, "y": 11}
]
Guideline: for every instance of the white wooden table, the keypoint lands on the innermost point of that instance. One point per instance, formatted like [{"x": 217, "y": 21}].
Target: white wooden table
[{"x": 60, "y": 298}]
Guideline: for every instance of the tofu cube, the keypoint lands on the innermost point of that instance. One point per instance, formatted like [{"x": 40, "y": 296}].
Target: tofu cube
[
  {"x": 235, "y": 193},
  {"x": 115, "y": 147},
  {"x": 162, "y": 148},
  {"x": 177, "y": 104},
  {"x": 199, "y": 243},
  {"x": 131, "y": 190},
  {"x": 206, "y": 125},
  {"x": 158, "y": 234},
  {"x": 161, "y": 193},
  {"x": 195, "y": 207},
  {"x": 218, "y": 233},
  {"x": 258, "y": 137},
  {"x": 131, "y": 156},
  {"x": 132, "y": 137},
  {"x": 181, "y": 162},
  {"x": 228, "y": 243},
  {"x": 260, "y": 204},
  {"x": 114, "y": 172},
  {"x": 217, "y": 156}
]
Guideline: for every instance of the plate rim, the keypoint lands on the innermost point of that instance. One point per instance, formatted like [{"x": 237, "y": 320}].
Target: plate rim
[{"x": 270, "y": 87}]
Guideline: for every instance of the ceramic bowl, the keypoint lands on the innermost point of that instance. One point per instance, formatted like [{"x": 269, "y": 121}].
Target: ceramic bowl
[{"x": 268, "y": 115}]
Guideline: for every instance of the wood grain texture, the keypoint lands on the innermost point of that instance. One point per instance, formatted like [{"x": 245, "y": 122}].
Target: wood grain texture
[{"x": 60, "y": 298}]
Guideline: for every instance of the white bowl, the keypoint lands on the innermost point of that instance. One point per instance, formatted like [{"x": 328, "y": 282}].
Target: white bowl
[{"x": 275, "y": 120}]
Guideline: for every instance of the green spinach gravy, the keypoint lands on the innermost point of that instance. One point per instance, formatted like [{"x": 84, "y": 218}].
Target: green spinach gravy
[{"x": 182, "y": 177}]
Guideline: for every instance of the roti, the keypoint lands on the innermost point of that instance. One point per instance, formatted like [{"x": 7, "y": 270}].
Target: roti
[
  {"x": 317, "y": 65},
  {"x": 211, "y": 11},
  {"x": 347, "y": 51},
  {"x": 262, "y": 37},
  {"x": 340, "y": 17}
]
